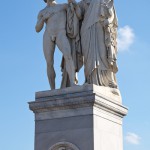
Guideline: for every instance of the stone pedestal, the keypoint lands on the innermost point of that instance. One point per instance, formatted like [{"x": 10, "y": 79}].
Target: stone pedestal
[{"x": 85, "y": 117}]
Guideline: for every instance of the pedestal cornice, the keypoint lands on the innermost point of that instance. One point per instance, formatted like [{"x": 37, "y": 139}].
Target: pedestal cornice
[{"x": 79, "y": 97}]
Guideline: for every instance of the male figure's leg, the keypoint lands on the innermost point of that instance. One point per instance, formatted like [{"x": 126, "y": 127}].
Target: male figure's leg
[
  {"x": 64, "y": 46},
  {"x": 49, "y": 48}
]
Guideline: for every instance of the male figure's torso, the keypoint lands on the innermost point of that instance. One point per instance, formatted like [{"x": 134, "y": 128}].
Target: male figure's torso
[{"x": 57, "y": 19}]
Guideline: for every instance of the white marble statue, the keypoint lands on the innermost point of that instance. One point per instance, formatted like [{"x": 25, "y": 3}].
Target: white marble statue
[
  {"x": 54, "y": 16},
  {"x": 87, "y": 29},
  {"x": 98, "y": 40}
]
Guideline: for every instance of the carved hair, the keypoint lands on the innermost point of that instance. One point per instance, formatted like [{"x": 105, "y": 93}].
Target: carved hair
[{"x": 46, "y": 1}]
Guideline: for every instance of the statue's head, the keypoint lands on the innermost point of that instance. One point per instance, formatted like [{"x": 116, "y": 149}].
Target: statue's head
[{"x": 48, "y": 0}]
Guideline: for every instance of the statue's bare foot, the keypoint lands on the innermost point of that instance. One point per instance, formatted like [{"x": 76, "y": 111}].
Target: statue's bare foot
[
  {"x": 86, "y": 83},
  {"x": 73, "y": 84}
]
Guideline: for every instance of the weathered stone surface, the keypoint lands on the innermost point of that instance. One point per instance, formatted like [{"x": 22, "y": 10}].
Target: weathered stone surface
[
  {"x": 86, "y": 33},
  {"x": 89, "y": 117}
]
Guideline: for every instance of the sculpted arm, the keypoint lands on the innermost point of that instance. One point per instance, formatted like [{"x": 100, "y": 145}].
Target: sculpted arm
[
  {"x": 110, "y": 18},
  {"x": 40, "y": 23},
  {"x": 108, "y": 12},
  {"x": 77, "y": 7}
]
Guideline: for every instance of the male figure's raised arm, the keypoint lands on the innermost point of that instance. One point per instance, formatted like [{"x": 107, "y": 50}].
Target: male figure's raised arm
[{"x": 40, "y": 23}]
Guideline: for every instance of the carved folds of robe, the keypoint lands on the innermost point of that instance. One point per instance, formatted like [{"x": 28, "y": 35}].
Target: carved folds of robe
[
  {"x": 73, "y": 35},
  {"x": 95, "y": 41}
]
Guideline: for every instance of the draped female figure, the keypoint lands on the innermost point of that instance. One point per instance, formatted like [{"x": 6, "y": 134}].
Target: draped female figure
[{"x": 98, "y": 40}]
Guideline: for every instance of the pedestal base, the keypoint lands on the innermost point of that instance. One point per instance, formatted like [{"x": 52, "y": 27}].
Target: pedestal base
[{"x": 78, "y": 118}]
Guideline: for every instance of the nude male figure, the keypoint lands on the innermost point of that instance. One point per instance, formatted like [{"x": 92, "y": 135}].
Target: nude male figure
[{"x": 54, "y": 15}]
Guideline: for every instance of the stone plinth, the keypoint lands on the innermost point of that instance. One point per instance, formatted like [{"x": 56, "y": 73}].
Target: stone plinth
[{"x": 85, "y": 117}]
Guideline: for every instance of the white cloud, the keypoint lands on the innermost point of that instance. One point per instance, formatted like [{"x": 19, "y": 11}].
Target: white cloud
[
  {"x": 132, "y": 138},
  {"x": 125, "y": 38}
]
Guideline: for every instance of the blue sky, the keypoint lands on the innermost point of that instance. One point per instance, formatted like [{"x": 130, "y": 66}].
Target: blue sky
[{"x": 23, "y": 71}]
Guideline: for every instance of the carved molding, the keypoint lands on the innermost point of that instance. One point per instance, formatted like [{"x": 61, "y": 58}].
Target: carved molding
[
  {"x": 63, "y": 146},
  {"x": 79, "y": 97}
]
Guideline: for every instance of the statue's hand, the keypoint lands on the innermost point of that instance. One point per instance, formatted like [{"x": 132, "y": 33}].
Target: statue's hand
[
  {"x": 69, "y": 1},
  {"x": 110, "y": 61},
  {"x": 72, "y": 1}
]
